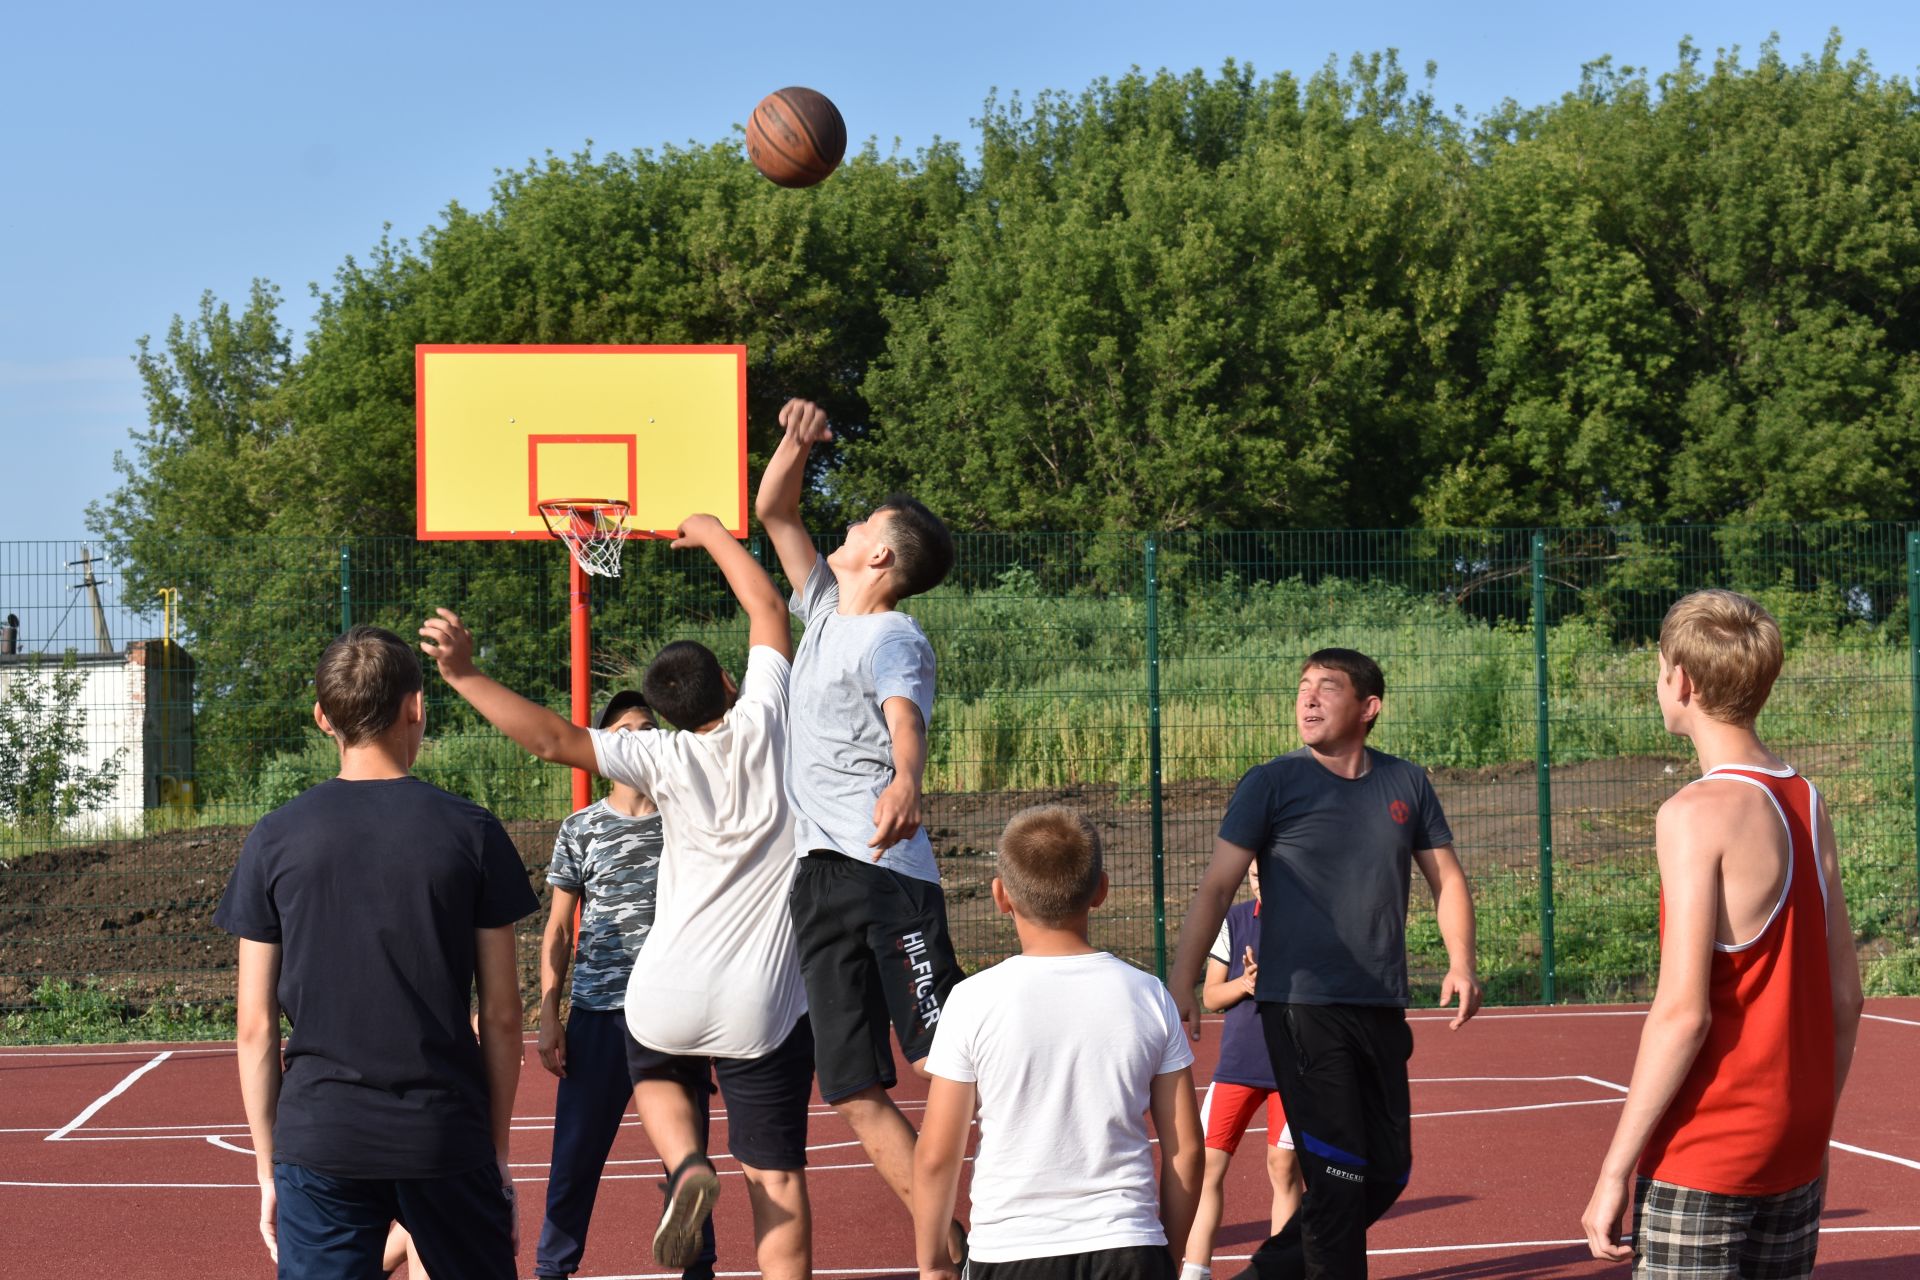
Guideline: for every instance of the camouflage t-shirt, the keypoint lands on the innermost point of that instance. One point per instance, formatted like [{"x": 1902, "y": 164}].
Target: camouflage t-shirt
[{"x": 613, "y": 862}]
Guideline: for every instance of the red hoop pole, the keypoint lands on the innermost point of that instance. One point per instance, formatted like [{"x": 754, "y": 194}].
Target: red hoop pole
[{"x": 579, "y": 599}]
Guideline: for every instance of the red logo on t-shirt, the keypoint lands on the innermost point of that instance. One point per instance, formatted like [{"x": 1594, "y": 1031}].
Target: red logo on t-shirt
[{"x": 1399, "y": 812}]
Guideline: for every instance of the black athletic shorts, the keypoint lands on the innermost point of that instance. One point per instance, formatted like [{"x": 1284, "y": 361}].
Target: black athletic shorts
[
  {"x": 1137, "y": 1262},
  {"x": 873, "y": 949},
  {"x": 766, "y": 1097}
]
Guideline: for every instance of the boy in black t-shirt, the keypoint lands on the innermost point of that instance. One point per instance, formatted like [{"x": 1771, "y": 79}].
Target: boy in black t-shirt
[{"x": 369, "y": 908}]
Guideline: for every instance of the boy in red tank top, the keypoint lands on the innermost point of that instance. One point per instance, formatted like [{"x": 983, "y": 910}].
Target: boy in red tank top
[{"x": 1722, "y": 1142}]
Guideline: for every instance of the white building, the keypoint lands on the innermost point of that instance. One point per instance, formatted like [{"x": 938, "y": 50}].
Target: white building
[{"x": 139, "y": 707}]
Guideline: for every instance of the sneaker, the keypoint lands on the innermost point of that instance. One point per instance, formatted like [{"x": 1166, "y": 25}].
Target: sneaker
[{"x": 690, "y": 1196}]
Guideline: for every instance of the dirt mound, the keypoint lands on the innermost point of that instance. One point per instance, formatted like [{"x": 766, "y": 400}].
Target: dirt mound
[{"x": 138, "y": 914}]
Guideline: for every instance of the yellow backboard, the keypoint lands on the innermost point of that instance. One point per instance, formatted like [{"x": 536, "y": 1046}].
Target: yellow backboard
[{"x": 500, "y": 429}]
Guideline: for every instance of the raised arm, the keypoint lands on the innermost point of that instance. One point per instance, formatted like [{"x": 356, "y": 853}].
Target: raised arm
[
  {"x": 1453, "y": 906},
  {"x": 1202, "y": 925},
  {"x": 766, "y": 611},
  {"x": 804, "y": 424},
  {"x": 538, "y": 730}
]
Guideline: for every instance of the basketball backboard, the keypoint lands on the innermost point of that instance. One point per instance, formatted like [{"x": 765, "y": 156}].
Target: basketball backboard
[{"x": 499, "y": 429}]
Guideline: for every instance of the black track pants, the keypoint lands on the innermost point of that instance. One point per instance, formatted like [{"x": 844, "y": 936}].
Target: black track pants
[{"x": 1342, "y": 1072}]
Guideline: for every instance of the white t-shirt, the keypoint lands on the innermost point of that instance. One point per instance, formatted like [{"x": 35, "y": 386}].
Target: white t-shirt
[
  {"x": 1062, "y": 1051},
  {"x": 718, "y": 974}
]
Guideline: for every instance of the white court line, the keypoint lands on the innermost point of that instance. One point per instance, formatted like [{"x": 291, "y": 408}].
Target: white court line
[
  {"x": 1882, "y": 1017},
  {"x": 1537, "y": 1106},
  {"x": 224, "y": 1145},
  {"x": 119, "y": 1051},
  {"x": 1218, "y": 1257},
  {"x": 1877, "y": 1155},
  {"x": 60, "y": 1134},
  {"x": 522, "y": 1124},
  {"x": 1832, "y": 1142}
]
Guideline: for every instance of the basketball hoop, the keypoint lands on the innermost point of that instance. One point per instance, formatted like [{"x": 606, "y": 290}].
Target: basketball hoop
[{"x": 594, "y": 529}]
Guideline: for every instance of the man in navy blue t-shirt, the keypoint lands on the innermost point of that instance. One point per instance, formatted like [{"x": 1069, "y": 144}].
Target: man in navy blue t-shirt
[
  {"x": 368, "y": 909},
  {"x": 1337, "y": 828}
]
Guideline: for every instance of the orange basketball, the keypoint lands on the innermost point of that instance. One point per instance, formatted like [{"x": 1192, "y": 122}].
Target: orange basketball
[{"x": 796, "y": 137}]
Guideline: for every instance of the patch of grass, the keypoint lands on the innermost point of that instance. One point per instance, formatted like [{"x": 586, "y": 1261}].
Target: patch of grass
[{"x": 90, "y": 1013}]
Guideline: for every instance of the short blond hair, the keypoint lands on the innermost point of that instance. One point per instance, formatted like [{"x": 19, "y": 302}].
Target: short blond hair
[
  {"x": 1050, "y": 863},
  {"x": 1730, "y": 648}
]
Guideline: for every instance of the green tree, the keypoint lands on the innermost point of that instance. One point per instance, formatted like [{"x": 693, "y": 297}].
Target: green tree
[
  {"x": 1693, "y": 299},
  {"x": 1183, "y": 302}
]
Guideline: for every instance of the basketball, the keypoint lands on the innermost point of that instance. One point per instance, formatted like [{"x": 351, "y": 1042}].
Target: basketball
[{"x": 796, "y": 137}]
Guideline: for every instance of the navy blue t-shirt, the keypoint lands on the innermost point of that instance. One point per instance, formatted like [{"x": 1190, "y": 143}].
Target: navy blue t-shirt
[
  {"x": 373, "y": 890},
  {"x": 1243, "y": 1045},
  {"x": 1335, "y": 860}
]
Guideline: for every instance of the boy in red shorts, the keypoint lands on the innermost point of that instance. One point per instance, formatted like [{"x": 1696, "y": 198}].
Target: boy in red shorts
[
  {"x": 1722, "y": 1144},
  {"x": 1242, "y": 1081}
]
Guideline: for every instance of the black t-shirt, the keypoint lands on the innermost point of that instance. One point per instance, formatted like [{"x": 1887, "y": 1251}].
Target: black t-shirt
[
  {"x": 373, "y": 890},
  {"x": 1335, "y": 860}
]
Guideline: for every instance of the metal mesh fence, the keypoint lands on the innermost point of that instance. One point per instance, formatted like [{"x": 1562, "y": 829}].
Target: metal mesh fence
[{"x": 1134, "y": 676}]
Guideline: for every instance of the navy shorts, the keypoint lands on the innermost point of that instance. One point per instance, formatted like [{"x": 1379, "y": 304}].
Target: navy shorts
[
  {"x": 334, "y": 1228},
  {"x": 766, "y": 1097}
]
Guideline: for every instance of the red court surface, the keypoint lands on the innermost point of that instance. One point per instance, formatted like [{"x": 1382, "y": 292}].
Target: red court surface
[{"x": 132, "y": 1161}]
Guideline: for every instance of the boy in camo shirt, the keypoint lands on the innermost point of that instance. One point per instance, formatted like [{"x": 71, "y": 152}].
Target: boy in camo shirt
[{"x": 606, "y": 865}]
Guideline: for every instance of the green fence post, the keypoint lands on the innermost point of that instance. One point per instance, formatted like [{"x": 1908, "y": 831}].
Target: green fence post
[
  {"x": 1543, "y": 767},
  {"x": 346, "y": 588},
  {"x": 1913, "y": 679},
  {"x": 1153, "y": 759}
]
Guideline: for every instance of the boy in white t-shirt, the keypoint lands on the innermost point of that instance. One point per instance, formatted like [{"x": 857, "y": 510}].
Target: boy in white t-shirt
[
  {"x": 717, "y": 983},
  {"x": 1066, "y": 1050}
]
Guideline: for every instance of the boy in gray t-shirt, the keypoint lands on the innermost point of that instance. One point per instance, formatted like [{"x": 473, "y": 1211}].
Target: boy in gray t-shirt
[{"x": 867, "y": 909}]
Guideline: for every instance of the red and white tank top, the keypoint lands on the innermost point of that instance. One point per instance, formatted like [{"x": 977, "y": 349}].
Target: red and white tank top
[{"x": 1753, "y": 1115}]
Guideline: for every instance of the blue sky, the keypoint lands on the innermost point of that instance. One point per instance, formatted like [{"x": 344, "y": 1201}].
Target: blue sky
[{"x": 159, "y": 151}]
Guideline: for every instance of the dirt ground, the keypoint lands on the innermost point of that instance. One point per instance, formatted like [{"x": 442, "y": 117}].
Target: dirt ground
[{"x": 138, "y": 914}]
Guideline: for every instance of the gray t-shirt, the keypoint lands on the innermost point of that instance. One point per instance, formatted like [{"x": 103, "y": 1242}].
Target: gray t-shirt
[
  {"x": 613, "y": 861},
  {"x": 839, "y": 753},
  {"x": 1335, "y": 861}
]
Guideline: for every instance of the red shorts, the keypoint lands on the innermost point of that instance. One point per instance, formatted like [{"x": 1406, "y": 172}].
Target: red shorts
[{"x": 1229, "y": 1108}]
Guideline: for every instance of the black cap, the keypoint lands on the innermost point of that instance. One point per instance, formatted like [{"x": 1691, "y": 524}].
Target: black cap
[{"x": 618, "y": 705}]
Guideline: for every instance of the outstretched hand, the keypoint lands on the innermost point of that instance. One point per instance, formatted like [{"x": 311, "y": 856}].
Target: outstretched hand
[
  {"x": 449, "y": 643},
  {"x": 805, "y": 423}
]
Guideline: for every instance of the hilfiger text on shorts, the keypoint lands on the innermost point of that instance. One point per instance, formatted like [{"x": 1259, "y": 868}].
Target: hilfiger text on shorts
[{"x": 913, "y": 948}]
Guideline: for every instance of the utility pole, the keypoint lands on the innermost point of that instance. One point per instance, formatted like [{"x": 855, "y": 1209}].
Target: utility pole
[{"x": 103, "y": 642}]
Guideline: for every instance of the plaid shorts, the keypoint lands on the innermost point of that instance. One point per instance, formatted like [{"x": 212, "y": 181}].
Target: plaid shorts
[{"x": 1683, "y": 1234}]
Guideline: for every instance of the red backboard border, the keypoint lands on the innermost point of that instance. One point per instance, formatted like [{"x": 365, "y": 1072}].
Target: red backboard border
[{"x": 738, "y": 527}]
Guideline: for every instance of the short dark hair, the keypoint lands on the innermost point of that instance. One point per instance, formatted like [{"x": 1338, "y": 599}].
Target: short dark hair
[
  {"x": 1050, "y": 863},
  {"x": 618, "y": 705},
  {"x": 1364, "y": 673},
  {"x": 921, "y": 543},
  {"x": 363, "y": 678},
  {"x": 683, "y": 684}
]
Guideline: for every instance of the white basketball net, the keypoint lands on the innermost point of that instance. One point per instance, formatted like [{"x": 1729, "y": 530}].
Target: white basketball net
[{"x": 594, "y": 530}]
